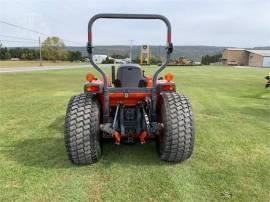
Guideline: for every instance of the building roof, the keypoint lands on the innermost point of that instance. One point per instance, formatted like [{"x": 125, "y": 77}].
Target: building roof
[
  {"x": 236, "y": 49},
  {"x": 265, "y": 53},
  {"x": 97, "y": 55}
]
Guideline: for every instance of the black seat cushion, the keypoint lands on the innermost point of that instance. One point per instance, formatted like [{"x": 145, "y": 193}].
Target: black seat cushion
[{"x": 129, "y": 76}]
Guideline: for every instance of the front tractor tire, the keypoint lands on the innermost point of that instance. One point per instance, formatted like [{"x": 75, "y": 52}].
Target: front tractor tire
[
  {"x": 176, "y": 140},
  {"x": 82, "y": 134}
]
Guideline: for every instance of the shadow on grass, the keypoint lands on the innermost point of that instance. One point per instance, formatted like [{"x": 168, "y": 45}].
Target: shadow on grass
[
  {"x": 258, "y": 113},
  {"x": 131, "y": 155},
  {"x": 262, "y": 95},
  {"x": 40, "y": 152},
  {"x": 51, "y": 153},
  {"x": 58, "y": 124}
]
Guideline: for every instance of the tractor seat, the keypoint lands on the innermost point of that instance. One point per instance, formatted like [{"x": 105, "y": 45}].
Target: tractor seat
[{"x": 130, "y": 75}]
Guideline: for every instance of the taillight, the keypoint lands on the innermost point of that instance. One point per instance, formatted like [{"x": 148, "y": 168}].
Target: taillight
[
  {"x": 167, "y": 88},
  {"x": 92, "y": 88},
  {"x": 169, "y": 77},
  {"x": 90, "y": 77}
]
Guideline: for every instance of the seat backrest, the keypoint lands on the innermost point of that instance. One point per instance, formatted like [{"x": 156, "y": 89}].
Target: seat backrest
[{"x": 129, "y": 75}]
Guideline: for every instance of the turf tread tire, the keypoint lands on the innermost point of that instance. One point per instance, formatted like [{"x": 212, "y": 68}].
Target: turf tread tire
[
  {"x": 82, "y": 135},
  {"x": 177, "y": 140}
]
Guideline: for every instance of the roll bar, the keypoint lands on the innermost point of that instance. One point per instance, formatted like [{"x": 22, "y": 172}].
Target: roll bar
[{"x": 129, "y": 16}]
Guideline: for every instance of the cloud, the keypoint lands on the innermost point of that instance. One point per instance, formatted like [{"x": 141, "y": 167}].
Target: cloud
[{"x": 242, "y": 23}]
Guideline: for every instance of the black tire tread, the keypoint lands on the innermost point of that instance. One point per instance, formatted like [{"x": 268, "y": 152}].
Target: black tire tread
[
  {"x": 178, "y": 133},
  {"x": 82, "y": 130}
]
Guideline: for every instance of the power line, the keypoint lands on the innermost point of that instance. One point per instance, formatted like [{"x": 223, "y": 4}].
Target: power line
[
  {"x": 21, "y": 27},
  {"x": 15, "y": 41},
  {"x": 15, "y": 37},
  {"x": 34, "y": 31}
]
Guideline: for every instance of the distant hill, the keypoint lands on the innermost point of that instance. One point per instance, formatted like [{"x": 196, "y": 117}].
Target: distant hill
[
  {"x": 262, "y": 48},
  {"x": 192, "y": 52}
]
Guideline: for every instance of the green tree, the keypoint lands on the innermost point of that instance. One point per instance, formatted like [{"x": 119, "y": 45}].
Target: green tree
[
  {"x": 24, "y": 53},
  {"x": 155, "y": 60},
  {"x": 74, "y": 55},
  {"x": 207, "y": 59},
  {"x": 53, "y": 48},
  {"x": 203, "y": 60},
  {"x": 136, "y": 60},
  {"x": 5, "y": 54}
]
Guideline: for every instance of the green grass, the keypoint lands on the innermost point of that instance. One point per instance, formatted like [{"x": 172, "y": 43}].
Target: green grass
[
  {"x": 230, "y": 161},
  {"x": 22, "y": 63}
]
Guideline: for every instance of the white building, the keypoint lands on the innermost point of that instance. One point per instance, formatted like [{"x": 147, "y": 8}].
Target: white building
[
  {"x": 122, "y": 61},
  {"x": 119, "y": 61},
  {"x": 99, "y": 58}
]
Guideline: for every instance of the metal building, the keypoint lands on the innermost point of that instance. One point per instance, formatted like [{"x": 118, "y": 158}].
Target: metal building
[
  {"x": 246, "y": 57},
  {"x": 259, "y": 58}
]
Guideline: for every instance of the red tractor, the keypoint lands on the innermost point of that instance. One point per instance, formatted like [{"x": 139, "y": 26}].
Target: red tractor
[{"x": 131, "y": 108}]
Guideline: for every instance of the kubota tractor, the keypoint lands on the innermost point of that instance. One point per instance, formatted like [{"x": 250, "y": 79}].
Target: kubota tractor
[{"x": 131, "y": 108}]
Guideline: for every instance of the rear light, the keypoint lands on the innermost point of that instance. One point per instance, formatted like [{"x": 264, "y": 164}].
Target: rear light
[
  {"x": 169, "y": 77},
  {"x": 92, "y": 88},
  {"x": 167, "y": 87},
  {"x": 90, "y": 77}
]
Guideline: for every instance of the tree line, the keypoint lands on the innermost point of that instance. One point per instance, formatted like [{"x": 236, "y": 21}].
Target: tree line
[
  {"x": 53, "y": 48},
  {"x": 207, "y": 59}
]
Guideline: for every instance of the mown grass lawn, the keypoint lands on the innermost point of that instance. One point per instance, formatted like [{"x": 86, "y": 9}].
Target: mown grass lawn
[
  {"x": 230, "y": 161},
  {"x": 28, "y": 63}
]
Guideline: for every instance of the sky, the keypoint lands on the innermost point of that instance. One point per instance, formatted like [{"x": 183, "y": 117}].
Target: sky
[{"x": 231, "y": 23}]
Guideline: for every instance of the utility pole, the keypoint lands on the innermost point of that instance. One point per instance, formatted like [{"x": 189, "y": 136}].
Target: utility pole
[
  {"x": 130, "y": 53},
  {"x": 40, "y": 56},
  {"x": 159, "y": 56},
  {"x": 0, "y": 49}
]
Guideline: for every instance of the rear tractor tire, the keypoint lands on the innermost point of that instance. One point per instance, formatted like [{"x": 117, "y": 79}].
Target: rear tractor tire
[
  {"x": 176, "y": 140},
  {"x": 82, "y": 134}
]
